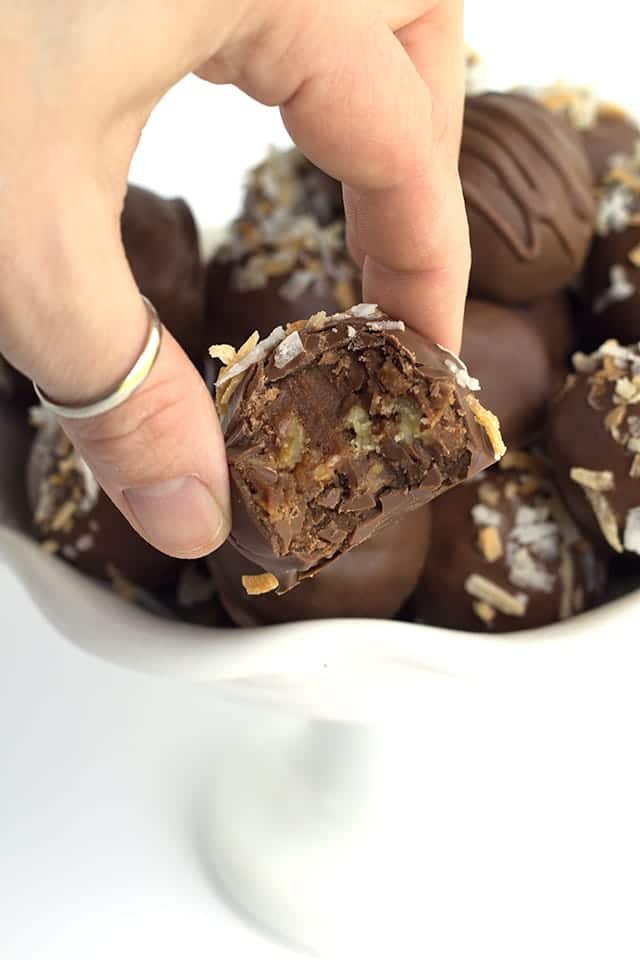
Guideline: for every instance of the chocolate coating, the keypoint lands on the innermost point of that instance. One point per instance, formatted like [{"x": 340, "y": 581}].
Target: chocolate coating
[
  {"x": 161, "y": 243},
  {"x": 14, "y": 386},
  {"x": 280, "y": 275},
  {"x": 15, "y": 442},
  {"x": 594, "y": 426},
  {"x": 553, "y": 317},
  {"x": 506, "y": 556},
  {"x": 374, "y": 579},
  {"x": 508, "y": 354},
  {"x": 345, "y": 424},
  {"x": 77, "y": 521},
  {"x": 611, "y": 283},
  {"x": 529, "y": 195},
  {"x": 287, "y": 181}
]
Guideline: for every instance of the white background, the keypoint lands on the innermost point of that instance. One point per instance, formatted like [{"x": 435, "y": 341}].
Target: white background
[{"x": 117, "y": 875}]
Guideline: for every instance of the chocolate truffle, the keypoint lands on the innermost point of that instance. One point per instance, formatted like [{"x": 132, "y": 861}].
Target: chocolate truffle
[
  {"x": 374, "y": 579},
  {"x": 506, "y": 556},
  {"x": 553, "y": 317},
  {"x": 507, "y": 353},
  {"x": 15, "y": 441},
  {"x": 336, "y": 426},
  {"x": 612, "y": 274},
  {"x": 161, "y": 243},
  {"x": 14, "y": 386},
  {"x": 275, "y": 275},
  {"x": 74, "y": 519},
  {"x": 286, "y": 182},
  {"x": 529, "y": 195},
  {"x": 593, "y": 438},
  {"x": 606, "y": 129}
]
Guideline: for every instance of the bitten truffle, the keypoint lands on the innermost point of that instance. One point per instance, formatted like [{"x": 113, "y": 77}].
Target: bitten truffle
[
  {"x": 508, "y": 354},
  {"x": 506, "y": 556},
  {"x": 287, "y": 183},
  {"x": 74, "y": 519},
  {"x": 336, "y": 426},
  {"x": 374, "y": 579},
  {"x": 528, "y": 190},
  {"x": 593, "y": 438},
  {"x": 278, "y": 274},
  {"x": 612, "y": 273},
  {"x": 161, "y": 243}
]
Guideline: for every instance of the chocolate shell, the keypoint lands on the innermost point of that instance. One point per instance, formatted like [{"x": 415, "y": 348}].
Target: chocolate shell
[
  {"x": 74, "y": 519},
  {"x": 528, "y": 190},
  {"x": 506, "y": 556},
  {"x": 161, "y": 243},
  {"x": 593, "y": 439},
  {"x": 337, "y": 426},
  {"x": 374, "y": 579}
]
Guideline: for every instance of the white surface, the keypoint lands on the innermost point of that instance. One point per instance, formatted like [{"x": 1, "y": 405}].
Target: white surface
[{"x": 505, "y": 816}]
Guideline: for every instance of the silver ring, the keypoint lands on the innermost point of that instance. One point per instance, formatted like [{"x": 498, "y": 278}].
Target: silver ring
[{"x": 132, "y": 382}]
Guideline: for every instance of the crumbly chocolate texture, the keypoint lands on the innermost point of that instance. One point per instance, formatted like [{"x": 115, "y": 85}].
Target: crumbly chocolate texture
[
  {"x": 507, "y": 349},
  {"x": 72, "y": 518},
  {"x": 593, "y": 438},
  {"x": 506, "y": 556},
  {"x": 374, "y": 579},
  {"x": 278, "y": 272},
  {"x": 287, "y": 182},
  {"x": 606, "y": 129},
  {"x": 528, "y": 190},
  {"x": 338, "y": 425},
  {"x": 612, "y": 272},
  {"x": 161, "y": 243}
]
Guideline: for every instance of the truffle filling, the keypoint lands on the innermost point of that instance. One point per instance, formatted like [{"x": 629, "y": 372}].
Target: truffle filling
[{"x": 329, "y": 445}]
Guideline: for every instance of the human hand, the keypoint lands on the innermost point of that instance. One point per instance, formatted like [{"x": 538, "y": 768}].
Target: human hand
[{"x": 370, "y": 90}]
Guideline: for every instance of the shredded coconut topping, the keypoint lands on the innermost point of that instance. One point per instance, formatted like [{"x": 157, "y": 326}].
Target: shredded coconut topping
[
  {"x": 259, "y": 352},
  {"x": 620, "y": 288},
  {"x": 365, "y": 311},
  {"x": 632, "y": 531},
  {"x": 288, "y": 349},
  {"x": 386, "y": 325},
  {"x": 485, "y": 590}
]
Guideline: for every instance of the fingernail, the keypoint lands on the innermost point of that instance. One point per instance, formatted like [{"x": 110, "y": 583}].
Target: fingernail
[{"x": 181, "y": 517}]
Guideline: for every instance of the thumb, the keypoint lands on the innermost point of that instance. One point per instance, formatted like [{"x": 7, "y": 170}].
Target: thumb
[{"x": 77, "y": 331}]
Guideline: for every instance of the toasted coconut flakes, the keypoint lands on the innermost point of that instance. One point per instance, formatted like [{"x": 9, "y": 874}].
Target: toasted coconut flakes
[
  {"x": 365, "y": 311},
  {"x": 488, "y": 494},
  {"x": 351, "y": 331},
  {"x": 482, "y": 589},
  {"x": 258, "y": 353},
  {"x": 344, "y": 293},
  {"x": 386, "y": 325},
  {"x": 525, "y": 572},
  {"x": 260, "y": 583},
  {"x": 633, "y": 426},
  {"x": 223, "y": 399},
  {"x": 287, "y": 351},
  {"x": 634, "y": 256},
  {"x": 584, "y": 362},
  {"x": 484, "y": 611},
  {"x": 297, "y": 284},
  {"x": 634, "y": 470},
  {"x": 606, "y": 518},
  {"x": 461, "y": 374},
  {"x": 521, "y": 460},
  {"x": 567, "y": 573},
  {"x": 614, "y": 420},
  {"x": 511, "y": 490},
  {"x": 250, "y": 344},
  {"x": 490, "y": 424},
  {"x": 633, "y": 445},
  {"x": 627, "y": 391},
  {"x": 318, "y": 321},
  {"x": 490, "y": 544},
  {"x": 599, "y": 480},
  {"x": 484, "y": 516},
  {"x": 223, "y": 352},
  {"x": 50, "y": 546},
  {"x": 620, "y": 288},
  {"x": 632, "y": 531},
  {"x": 64, "y": 516}
]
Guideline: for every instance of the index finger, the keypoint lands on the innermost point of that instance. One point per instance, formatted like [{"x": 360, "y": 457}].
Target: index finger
[{"x": 371, "y": 120}]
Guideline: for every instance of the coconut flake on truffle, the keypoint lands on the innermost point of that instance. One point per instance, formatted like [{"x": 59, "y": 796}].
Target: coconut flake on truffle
[
  {"x": 632, "y": 531},
  {"x": 288, "y": 349},
  {"x": 259, "y": 352},
  {"x": 620, "y": 288},
  {"x": 458, "y": 368},
  {"x": 365, "y": 311},
  {"x": 386, "y": 325}
]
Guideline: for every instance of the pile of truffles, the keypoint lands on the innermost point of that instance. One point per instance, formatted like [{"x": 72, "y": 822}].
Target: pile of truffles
[{"x": 368, "y": 468}]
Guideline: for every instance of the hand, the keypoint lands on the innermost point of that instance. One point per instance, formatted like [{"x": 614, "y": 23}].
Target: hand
[{"x": 370, "y": 90}]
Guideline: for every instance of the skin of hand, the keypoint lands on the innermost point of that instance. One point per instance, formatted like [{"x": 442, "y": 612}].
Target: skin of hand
[{"x": 370, "y": 90}]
